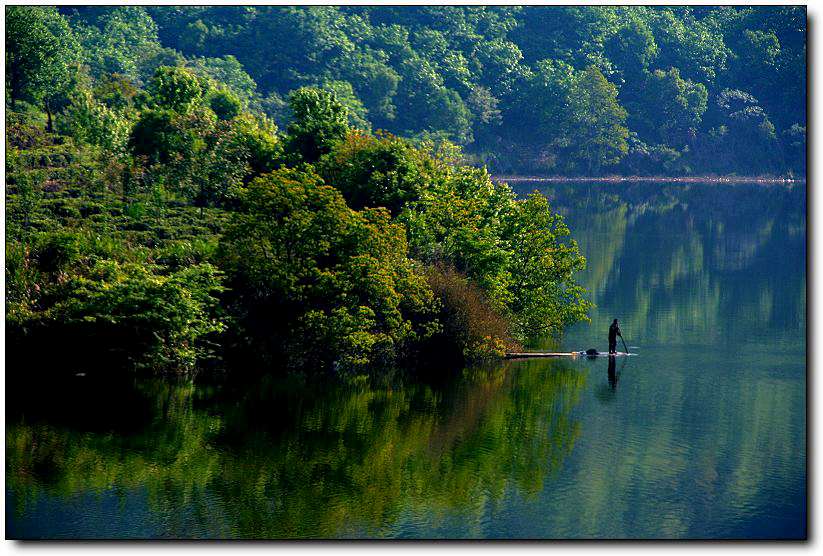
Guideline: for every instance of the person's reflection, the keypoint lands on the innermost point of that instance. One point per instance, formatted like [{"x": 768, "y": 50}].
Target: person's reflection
[{"x": 612, "y": 372}]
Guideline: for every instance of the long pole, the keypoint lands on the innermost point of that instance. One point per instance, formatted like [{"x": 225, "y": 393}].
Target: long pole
[{"x": 624, "y": 344}]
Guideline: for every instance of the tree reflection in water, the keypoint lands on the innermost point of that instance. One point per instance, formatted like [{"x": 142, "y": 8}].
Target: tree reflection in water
[{"x": 288, "y": 458}]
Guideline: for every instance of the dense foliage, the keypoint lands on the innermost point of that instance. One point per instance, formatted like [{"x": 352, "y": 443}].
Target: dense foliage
[
  {"x": 158, "y": 218},
  {"x": 320, "y": 280},
  {"x": 561, "y": 90}
]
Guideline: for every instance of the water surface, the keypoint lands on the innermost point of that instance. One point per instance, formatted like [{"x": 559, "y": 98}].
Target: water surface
[{"x": 701, "y": 435}]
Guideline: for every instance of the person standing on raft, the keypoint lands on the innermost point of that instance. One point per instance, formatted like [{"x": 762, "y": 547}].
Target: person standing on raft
[{"x": 614, "y": 332}]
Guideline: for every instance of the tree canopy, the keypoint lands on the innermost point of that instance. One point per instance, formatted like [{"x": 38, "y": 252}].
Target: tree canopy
[
  {"x": 41, "y": 52},
  {"x": 312, "y": 185},
  {"x": 483, "y": 77}
]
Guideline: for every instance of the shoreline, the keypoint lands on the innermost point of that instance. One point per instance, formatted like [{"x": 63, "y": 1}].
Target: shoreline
[{"x": 650, "y": 179}]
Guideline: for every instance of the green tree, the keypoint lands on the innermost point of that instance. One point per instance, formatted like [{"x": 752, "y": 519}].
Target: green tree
[
  {"x": 484, "y": 106},
  {"x": 690, "y": 43},
  {"x": 444, "y": 72},
  {"x": 118, "y": 40},
  {"x": 500, "y": 64},
  {"x": 345, "y": 95},
  {"x": 307, "y": 41},
  {"x": 319, "y": 121},
  {"x": 225, "y": 104},
  {"x": 671, "y": 107},
  {"x": 228, "y": 72},
  {"x": 632, "y": 49},
  {"x": 543, "y": 263},
  {"x": 598, "y": 122},
  {"x": 41, "y": 53},
  {"x": 94, "y": 123},
  {"x": 262, "y": 142},
  {"x": 516, "y": 251},
  {"x": 570, "y": 119},
  {"x": 539, "y": 109},
  {"x": 374, "y": 81},
  {"x": 116, "y": 91},
  {"x": 175, "y": 88},
  {"x": 449, "y": 113},
  {"x": 383, "y": 171},
  {"x": 311, "y": 272},
  {"x": 572, "y": 34},
  {"x": 128, "y": 310},
  {"x": 795, "y": 140},
  {"x": 429, "y": 105},
  {"x": 235, "y": 151},
  {"x": 157, "y": 136},
  {"x": 749, "y": 136}
]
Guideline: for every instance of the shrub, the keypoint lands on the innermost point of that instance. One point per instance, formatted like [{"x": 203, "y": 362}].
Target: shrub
[
  {"x": 24, "y": 132},
  {"x": 28, "y": 198},
  {"x": 471, "y": 326},
  {"x": 125, "y": 312},
  {"x": 57, "y": 251},
  {"x": 22, "y": 277}
]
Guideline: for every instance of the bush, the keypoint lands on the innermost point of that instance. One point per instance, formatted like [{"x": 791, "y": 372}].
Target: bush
[
  {"x": 22, "y": 277},
  {"x": 181, "y": 254},
  {"x": 125, "y": 312},
  {"x": 23, "y": 131},
  {"x": 472, "y": 328},
  {"x": 57, "y": 251}
]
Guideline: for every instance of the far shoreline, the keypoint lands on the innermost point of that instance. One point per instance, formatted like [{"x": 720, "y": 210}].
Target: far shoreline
[{"x": 653, "y": 179}]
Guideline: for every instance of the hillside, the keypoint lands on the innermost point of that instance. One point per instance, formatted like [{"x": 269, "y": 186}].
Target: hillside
[{"x": 546, "y": 90}]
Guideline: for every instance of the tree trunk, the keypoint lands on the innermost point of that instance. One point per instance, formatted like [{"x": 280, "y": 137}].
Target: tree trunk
[{"x": 49, "y": 127}]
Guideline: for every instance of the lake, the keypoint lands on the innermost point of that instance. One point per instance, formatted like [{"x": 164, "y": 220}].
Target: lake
[{"x": 701, "y": 435}]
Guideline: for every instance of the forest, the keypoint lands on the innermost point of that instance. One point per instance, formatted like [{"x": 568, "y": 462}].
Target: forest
[
  {"x": 560, "y": 90},
  {"x": 310, "y": 187}
]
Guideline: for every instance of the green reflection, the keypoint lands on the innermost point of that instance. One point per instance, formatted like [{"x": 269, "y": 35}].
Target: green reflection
[
  {"x": 701, "y": 436},
  {"x": 692, "y": 264},
  {"x": 276, "y": 462}
]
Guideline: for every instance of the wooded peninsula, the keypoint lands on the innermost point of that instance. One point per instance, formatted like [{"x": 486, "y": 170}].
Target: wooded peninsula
[{"x": 309, "y": 187}]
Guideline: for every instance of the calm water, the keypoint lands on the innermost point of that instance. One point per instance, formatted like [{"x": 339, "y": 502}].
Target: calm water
[{"x": 702, "y": 435}]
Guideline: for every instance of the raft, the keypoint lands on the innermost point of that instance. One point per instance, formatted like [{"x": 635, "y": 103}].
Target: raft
[{"x": 534, "y": 354}]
